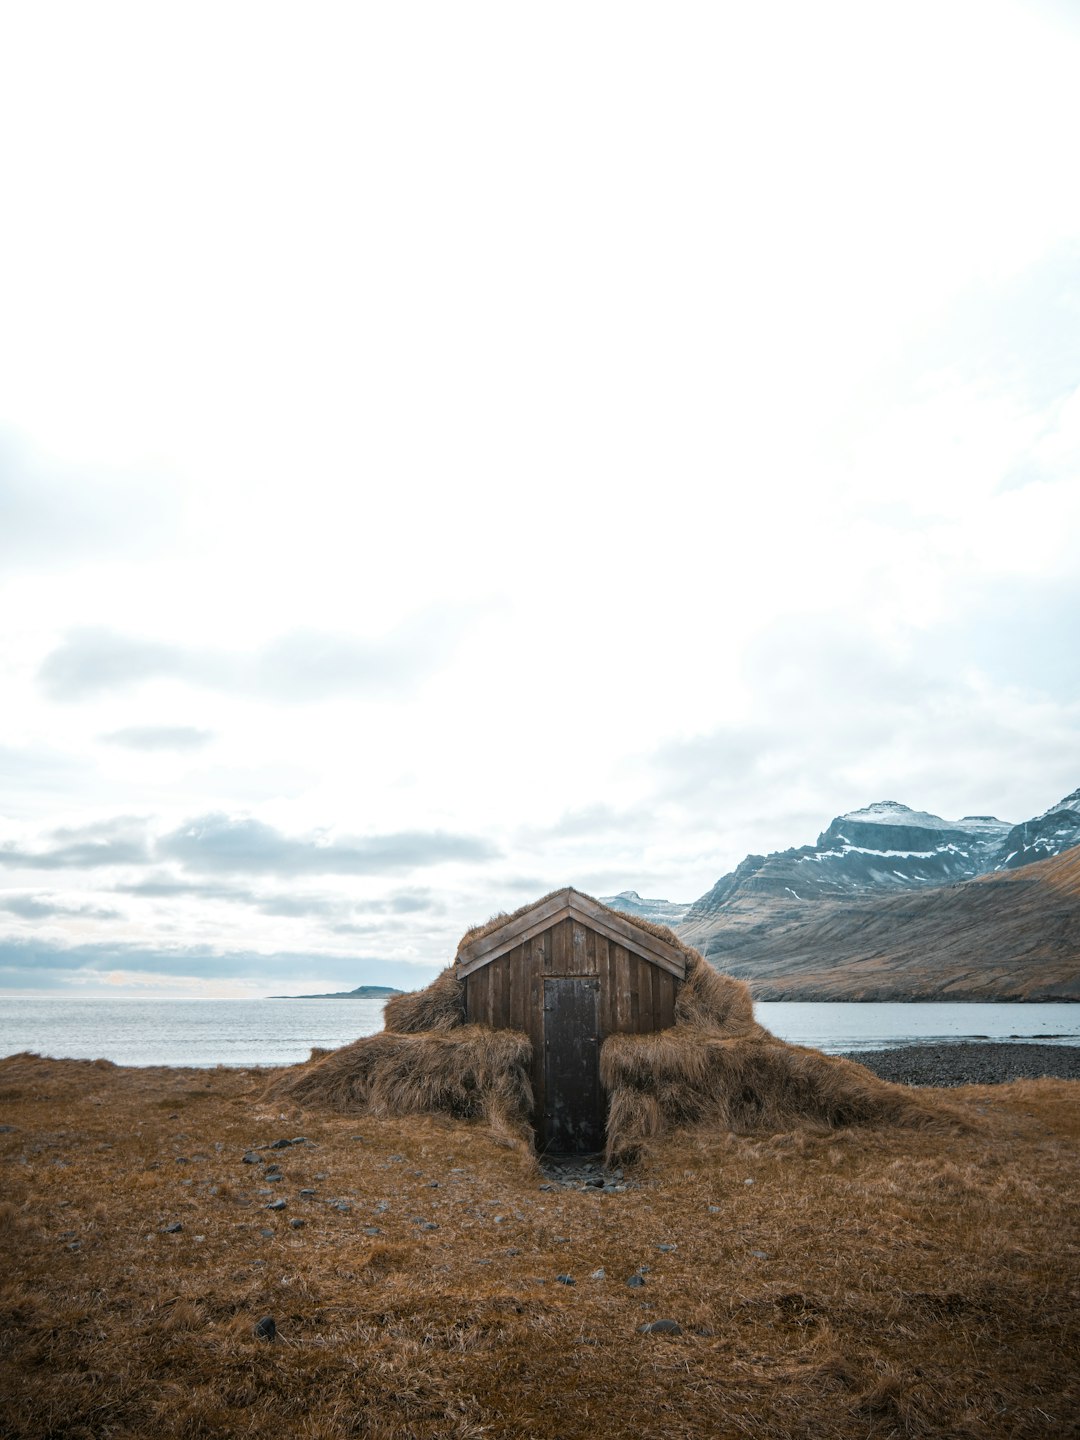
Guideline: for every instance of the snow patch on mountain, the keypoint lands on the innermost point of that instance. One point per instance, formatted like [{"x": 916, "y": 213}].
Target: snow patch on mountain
[{"x": 891, "y": 812}]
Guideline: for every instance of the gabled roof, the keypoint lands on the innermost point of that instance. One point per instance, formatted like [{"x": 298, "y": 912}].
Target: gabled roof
[{"x": 562, "y": 905}]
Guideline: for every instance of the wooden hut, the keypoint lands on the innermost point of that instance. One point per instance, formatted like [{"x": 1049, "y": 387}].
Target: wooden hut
[{"x": 569, "y": 972}]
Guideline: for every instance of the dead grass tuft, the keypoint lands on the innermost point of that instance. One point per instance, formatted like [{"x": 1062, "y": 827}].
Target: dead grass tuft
[
  {"x": 475, "y": 1074},
  {"x": 689, "y": 1076}
]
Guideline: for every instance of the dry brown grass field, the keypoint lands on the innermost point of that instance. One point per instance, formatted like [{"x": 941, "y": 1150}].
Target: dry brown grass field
[{"x": 826, "y": 1283}]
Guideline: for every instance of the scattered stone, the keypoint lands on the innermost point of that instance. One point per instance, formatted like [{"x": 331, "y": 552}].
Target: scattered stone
[
  {"x": 296, "y": 1223},
  {"x": 566, "y": 1279},
  {"x": 972, "y": 1062},
  {"x": 173, "y": 1229},
  {"x": 433, "y": 1184},
  {"x": 7, "y": 1129},
  {"x": 598, "y": 1182},
  {"x": 600, "y": 1274},
  {"x": 267, "y": 1234},
  {"x": 307, "y": 1192},
  {"x": 513, "y": 1251},
  {"x": 395, "y": 1160},
  {"x": 661, "y": 1327},
  {"x": 429, "y": 1225},
  {"x": 252, "y": 1159},
  {"x": 266, "y": 1328},
  {"x": 748, "y": 1182},
  {"x": 666, "y": 1249},
  {"x": 279, "y": 1144},
  {"x": 182, "y": 1160},
  {"x": 75, "y": 1245},
  {"x": 321, "y": 1175},
  {"x": 714, "y": 1209},
  {"x": 759, "y": 1254},
  {"x": 636, "y": 1282},
  {"x": 372, "y": 1230},
  {"x": 277, "y": 1205}
]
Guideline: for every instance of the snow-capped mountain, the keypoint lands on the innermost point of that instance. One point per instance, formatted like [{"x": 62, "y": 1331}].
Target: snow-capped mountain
[
  {"x": 1050, "y": 833},
  {"x": 882, "y": 848},
  {"x": 803, "y": 910},
  {"x": 660, "y": 912}
]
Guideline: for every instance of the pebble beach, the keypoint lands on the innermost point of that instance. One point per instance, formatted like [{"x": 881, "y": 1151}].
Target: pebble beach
[{"x": 971, "y": 1063}]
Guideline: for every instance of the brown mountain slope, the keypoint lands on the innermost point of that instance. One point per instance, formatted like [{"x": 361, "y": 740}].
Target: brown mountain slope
[{"x": 1014, "y": 935}]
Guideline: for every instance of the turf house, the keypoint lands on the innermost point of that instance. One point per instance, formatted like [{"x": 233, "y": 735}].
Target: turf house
[{"x": 574, "y": 1028}]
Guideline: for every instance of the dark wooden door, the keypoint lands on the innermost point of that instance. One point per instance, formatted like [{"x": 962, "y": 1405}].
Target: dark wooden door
[{"x": 573, "y": 1119}]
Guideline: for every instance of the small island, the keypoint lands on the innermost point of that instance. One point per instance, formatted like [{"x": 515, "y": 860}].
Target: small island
[{"x": 362, "y": 992}]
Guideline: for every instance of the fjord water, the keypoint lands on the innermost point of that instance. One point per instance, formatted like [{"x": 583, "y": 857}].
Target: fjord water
[{"x": 283, "y": 1032}]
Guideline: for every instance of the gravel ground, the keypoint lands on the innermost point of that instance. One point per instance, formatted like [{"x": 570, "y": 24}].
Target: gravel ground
[{"x": 975, "y": 1063}]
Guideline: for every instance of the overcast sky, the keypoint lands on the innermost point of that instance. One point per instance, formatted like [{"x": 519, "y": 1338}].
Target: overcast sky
[{"x": 452, "y": 451}]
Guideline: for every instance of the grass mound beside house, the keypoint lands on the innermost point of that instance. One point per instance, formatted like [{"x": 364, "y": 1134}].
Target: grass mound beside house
[{"x": 716, "y": 1067}]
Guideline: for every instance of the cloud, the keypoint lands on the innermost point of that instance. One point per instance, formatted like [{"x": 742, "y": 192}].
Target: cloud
[
  {"x": 219, "y": 844},
  {"x": 302, "y": 907},
  {"x": 839, "y": 720},
  {"x": 33, "y": 964},
  {"x": 55, "y": 513},
  {"x": 216, "y": 843},
  {"x": 121, "y": 841},
  {"x": 160, "y": 737},
  {"x": 163, "y": 886},
  {"x": 306, "y": 665},
  {"x": 403, "y": 902},
  {"x": 39, "y": 907},
  {"x": 35, "y": 769}
]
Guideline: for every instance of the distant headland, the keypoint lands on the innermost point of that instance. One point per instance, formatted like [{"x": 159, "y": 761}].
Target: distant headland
[{"x": 362, "y": 992}]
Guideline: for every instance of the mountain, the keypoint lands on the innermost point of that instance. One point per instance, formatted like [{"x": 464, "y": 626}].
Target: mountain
[
  {"x": 788, "y": 920},
  {"x": 882, "y": 848},
  {"x": 1009, "y": 935},
  {"x": 1050, "y": 833},
  {"x": 661, "y": 912},
  {"x": 362, "y": 992}
]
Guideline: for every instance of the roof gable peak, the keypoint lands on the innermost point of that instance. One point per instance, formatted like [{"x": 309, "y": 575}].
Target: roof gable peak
[{"x": 563, "y": 904}]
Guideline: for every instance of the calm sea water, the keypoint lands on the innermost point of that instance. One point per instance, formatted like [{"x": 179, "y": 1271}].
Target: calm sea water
[{"x": 282, "y": 1032}]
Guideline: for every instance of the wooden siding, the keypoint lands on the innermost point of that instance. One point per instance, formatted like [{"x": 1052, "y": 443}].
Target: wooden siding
[{"x": 507, "y": 993}]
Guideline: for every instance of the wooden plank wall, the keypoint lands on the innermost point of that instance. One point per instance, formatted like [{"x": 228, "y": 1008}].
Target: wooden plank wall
[{"x": 508, "y": 994}]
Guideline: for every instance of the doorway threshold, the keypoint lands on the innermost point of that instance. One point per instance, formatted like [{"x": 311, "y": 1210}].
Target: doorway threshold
[{"x": 581, "y": 1172}]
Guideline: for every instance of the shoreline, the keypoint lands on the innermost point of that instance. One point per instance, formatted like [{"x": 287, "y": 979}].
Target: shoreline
[{"x": 971, "y": 1062}]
